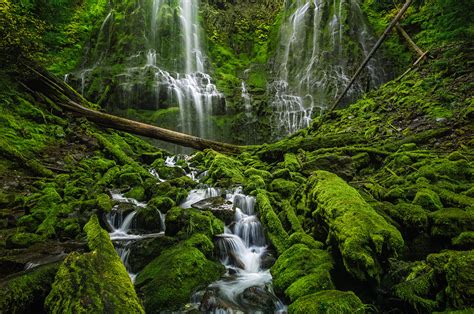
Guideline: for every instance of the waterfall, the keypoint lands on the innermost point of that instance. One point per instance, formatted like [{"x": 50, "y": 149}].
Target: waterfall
[
  {"x": 321, "y": 44},
  {"x": 242, "y": 248}
]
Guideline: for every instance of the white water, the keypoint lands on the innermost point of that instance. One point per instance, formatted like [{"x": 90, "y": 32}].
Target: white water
[
  {"x": 315, "y": 61},
  {"x": 241, "y": 251}
]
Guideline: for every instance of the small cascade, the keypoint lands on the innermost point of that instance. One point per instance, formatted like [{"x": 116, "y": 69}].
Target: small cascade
[
  {"x": 242, "y": 248},
  {"x": 321, "y": 44},
  {"x": 247, "y": 98},
  {"x": 199, "y": 194}
]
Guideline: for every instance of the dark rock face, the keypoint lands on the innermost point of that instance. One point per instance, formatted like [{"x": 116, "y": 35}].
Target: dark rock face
[{"x": 219, "y": 206}]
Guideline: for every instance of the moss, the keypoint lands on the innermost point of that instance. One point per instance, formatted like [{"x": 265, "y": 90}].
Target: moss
[
  {"x": 303, "y": 238},
  {"x": 253, "y": 183},
  {"x": 183, "y": 223},
  {"x": 283, "y": 187},
  {"x": 460, "y": 277},
  {"x": 291, "y": 162},
  {"x": 165, "y": 189},
  {"x": 275, "y": 231},
  {"x": 22, "y": 240},
  {"x": 130, "y": 179},
  {"x": 163, "y": 204},
  {"x": 464, "y": 240},
  {"x": 428, "y": 200},
  {"x": 225, "y": 171},
  {"x": 137, "y": 192},
  {"x": 104, "y": 202},
  {"x": 167, "y": 172},
  {"x": 300, "y": 271},
  {"x": 328, "y": 301},
  {"x": 187, "y": 269},
  {"x": 450, "y": 222},
  {"x": 95, "y": 281},
  {"x": 26, "y": 293},
  {"x": 291, "y": 216},
  {"x": 412, "y": 217},
  {"x": 362, "y": 236},
  {"x": 265, "y": 175}
]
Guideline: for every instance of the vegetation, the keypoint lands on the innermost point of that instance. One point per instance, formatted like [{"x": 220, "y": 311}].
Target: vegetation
[{"x": 370, "y": 210}]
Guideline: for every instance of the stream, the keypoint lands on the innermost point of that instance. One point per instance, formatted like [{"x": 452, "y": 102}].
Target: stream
[{"x": 246, "y": 287}]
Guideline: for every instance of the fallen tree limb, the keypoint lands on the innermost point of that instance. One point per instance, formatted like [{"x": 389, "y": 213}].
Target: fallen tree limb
[{"x": 44, "y": 84}]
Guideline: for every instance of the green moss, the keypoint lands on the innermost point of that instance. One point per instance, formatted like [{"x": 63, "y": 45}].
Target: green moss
[
  {"x": 275, "y": 231},
  {"x": 362, "y": 236},
  {"x": 450, "y": 222},
  {"x": 300, "y": 271},
  {"x": 303, "y": 238},
  {"x": 464, "y": 240},
  {"x": 412, "y": 217},
  {"x": 329, "y": 301},
  {"x": 428, "y": 200},
  {"x": 187, "y": 269},
  {"x": 291, "y": 162},
  {"x": 22, "y": 240},
  {"x": 183, "y": 223},
  {"x": 225, "y": 171},
  {"x": 137, "y": 192},
  {"x": 253, "y": 183},
  {"x": 291, "y": 217},
  {"x": 265, "y": 175},
  {"x": 163, "y": 204},
  {"x": 26, "y": 293},
  {"x": 104, "y": 202},
  {"x": 95, "y": 281},
  {"x": 283, "y": 187},
  {"x": 460, "y": 277}
]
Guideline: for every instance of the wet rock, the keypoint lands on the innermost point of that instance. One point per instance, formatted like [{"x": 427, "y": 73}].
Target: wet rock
[
  {"x": 258, "y": 298},
  {"x": 267, "y": 260},
  {"x": 144, "y": 251},
  {"x": 185, "y": 222},
  {"x": 218, "y": 206}
]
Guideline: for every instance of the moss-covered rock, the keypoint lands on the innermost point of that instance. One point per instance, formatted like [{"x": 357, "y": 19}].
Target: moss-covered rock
[
  {"x": 95, "y": 281},
  {"x": 328, "y": 301},
  {"x": 283, "y": 187},
  {"x": 253, "y": 183},
  {"x": 450, "y": 222},
  {"x": 362, "y": 236},
  {"x": 22, "y": 240},
  {"x": 300, "y": 271},
  {"x": 465, "y": 240},
  {"x": 168, "y": 282},
  {"x": 225, "y": 171},
  {"x": 185, "y": 222},
  {"x": 163, "y": 204},
  {"x": 303, "y": 238},
  {"x": 27, "y": 292},
  {"x": 428, "y": 200}
]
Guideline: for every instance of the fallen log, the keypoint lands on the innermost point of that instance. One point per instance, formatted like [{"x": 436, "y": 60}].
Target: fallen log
[{"x": 45, "y": 85}]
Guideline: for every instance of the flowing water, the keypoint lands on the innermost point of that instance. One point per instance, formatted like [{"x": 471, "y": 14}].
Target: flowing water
[{"x": 322, "y": 42}]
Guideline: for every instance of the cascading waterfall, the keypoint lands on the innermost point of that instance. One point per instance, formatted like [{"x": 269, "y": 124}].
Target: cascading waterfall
[
  {"x": 242, "y": 248},
  {"x": 321, "y": 43}
]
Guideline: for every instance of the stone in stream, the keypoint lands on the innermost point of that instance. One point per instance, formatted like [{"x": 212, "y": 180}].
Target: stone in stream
[
  {"x": 258, "y": 298},
  {"x": 219, "y": 206}
]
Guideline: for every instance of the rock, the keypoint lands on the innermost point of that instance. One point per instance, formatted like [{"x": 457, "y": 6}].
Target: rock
[
  {"x": 147, "y": 220},
  {"x": 218, "y": 206},
  {"x": 300, "y": 271},
  {"x": 26, "y": 293},
  {"x": 185, "y": 222},
  {"x": 144, "y": 251},
  {"x": 168, "y": 282},
  {"x": 428, "y": 200},
  {"x": 333, "y": 301},
  {"x": 95, "y": 281},
  {"x": 450, "y": 222},
  {"x": 258, "y": 299},
  {"x": 22, "y": 240}
]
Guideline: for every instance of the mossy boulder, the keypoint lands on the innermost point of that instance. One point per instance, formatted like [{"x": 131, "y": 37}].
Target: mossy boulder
[
  {"x": 218, "y": 206},
  {"x": 148, "y": 220},
  {"x": 226, "y": 171},
  {"x": 413, "y": 218},
  {"x": 362, "y": 236},
  {"x": 21, "y": 240},
  {"x": 27, "y": 292},
  {"x": 265, "y": 175},
  {"x": 300, "y": 271},
  {"x": 137, "y": 192},
  {"x": 283, "y": 187},
  {"x": 167, "y": 172},
  {"x": 428, "y": 200},
  {"x": 183, "y": 223},
  {"x": 104, "y": 202},
  {"x": 303, "y": 238},
  {"x": 163, "y": 204},
  {"x": 253, "y": 183},
  {"x": 464, "y": 240},
  {"x": 450, "y": 222},
  {"x": 144, "y": 251},
  {"x": 291, "y": 162},
  {"x": 329, "y": 301},
  {"x": 95, "y": 281},
  {"x": 169, "y": 281}
]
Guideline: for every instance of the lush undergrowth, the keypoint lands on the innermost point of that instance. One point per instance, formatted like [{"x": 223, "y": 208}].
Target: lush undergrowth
[{"x": 370, "y": 211}]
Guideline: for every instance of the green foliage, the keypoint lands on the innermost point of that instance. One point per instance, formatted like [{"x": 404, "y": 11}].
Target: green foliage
[{"x": 329, "y": 301}]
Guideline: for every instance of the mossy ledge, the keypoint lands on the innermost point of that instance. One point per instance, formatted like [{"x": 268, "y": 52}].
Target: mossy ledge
[
  {"x": 363, "y": 237},
  {"x": 94, "y": 282}
]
